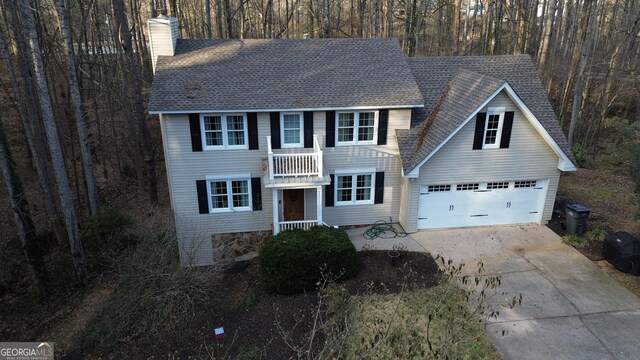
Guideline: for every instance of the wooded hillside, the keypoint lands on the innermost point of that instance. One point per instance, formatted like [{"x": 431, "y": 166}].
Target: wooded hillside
[{"x": 76, "y": 74}]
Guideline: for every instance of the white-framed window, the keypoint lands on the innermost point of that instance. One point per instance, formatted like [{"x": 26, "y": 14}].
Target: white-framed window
[
  {"x": 224, "y": 131},
  {"x": 232, "y": 194},
  {"x": 356, "y": 127},
  {"x": 493, "y": 128},
  {"x": 354, "y": 188},
  {"x": 291, "y": 130}
]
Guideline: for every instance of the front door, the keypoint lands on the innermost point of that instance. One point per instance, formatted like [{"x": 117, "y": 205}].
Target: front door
[{"x": 293, "y": 204}]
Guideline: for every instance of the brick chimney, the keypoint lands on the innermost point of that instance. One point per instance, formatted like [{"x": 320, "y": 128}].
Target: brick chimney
[{"x": 163, "y": 36}]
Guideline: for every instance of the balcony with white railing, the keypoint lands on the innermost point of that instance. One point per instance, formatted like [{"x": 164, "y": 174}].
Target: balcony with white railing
[{"x": 287, "y": 167}]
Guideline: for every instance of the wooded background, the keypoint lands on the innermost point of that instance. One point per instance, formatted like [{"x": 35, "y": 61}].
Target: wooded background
[{"x": 74, "y": 132}]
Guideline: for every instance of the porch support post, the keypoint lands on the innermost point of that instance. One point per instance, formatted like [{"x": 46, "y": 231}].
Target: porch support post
[
  {"x": 319, "y": 204},
  {"x": 276, "y": 225}
]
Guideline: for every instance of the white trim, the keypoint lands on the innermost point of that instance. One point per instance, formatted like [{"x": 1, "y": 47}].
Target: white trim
[
  {"x": 337, "y": 108},
  {"x": 564, "y": 164},
  {"x": 225, "y": 132},
  {"x": 353, "y": 189},
  {"x": 228, "y": 177},
  {"x": 228, "y": 180},
  {"x": 356, "y": 126},
  {"x": 352, "y": 171},
  {"x": 300, "y": 123}
]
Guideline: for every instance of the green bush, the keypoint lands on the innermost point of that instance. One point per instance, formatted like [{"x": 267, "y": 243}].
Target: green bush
[
  {"x": 596, "y": 234},
  {"x": 108, "y": 223},
  {"x": 574, "y": 240},
  {"x": 580, "y": 154},
  {"x": 294, "y": 260}
]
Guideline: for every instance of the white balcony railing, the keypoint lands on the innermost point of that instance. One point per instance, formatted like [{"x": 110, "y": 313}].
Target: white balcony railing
[
  {"x": 295, "y": 164},
  {"x": 298, "y": 224}
]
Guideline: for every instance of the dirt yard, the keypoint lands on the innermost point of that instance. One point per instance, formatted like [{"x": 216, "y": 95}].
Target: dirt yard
[{"x": 614, "y": 207}]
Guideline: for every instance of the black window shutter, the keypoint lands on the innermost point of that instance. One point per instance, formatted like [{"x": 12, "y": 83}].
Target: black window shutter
[
  {"x": 194, "y": 126},
  {"x": 328, "y": 192},
  {"x": 308, "y": 129},
  {"x": 383, "y": 124},
  {"x": 478, "y": 137},
  {"x": 331, "y": 129},
  {"x": 252, "y": 125},
  {"x": 379, "y": 194},
  {"x": 506, "y": 130},
  {"x": 256, "y": 193},
  {"x": 275, "y": 129},
  {"x": 203, "y": 201}
]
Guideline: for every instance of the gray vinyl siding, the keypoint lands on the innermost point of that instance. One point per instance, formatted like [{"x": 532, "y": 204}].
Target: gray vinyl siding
[
  {"x": 381, "y": 157},
  {"x": 185, "y": 167},
  {"x": 405, "y": 188},
  {"x": 528, "y": 157}
]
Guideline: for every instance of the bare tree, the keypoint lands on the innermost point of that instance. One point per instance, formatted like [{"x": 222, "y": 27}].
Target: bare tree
[
  {"x": 55, "y": 150},
  {"x": 22, "y": 216},
  {"x": 134, "y": 71},
  {"x": 78, "y": 111}
]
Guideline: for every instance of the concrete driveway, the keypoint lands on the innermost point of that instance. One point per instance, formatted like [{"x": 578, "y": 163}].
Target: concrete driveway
[{"x": 570, "y": 309}]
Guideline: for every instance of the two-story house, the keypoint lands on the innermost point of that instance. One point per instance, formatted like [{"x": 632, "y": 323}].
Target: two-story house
[{"x": 269, "y": 135}]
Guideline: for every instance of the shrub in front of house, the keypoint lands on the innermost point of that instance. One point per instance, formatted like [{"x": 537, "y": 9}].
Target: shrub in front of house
[{"x": 295, "y": 260}]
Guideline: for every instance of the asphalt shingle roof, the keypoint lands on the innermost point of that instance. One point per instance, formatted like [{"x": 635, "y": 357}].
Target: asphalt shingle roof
[
  {"x": 465, "y": 93},
  {"x": 283, "y": 74},
  {"x": 451, "y": 87}
]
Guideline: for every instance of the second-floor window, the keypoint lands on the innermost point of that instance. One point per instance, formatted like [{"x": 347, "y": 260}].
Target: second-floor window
[
  {"x": 224, "y": 131},
  {"x": 292, "y": 128},
  {"x": 493, "y": 128},
  {"x": 356, "y": 127}
]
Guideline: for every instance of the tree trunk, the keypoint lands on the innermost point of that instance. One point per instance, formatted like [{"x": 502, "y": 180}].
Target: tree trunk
[
  {"x": 207, "y": 17},
  {"x": 219, "y": 19},
  {"x": 585, "y": 54},
  {"x": 134, "y": 69},
  {"x": 22, "y": 216},
  {"x": 28, "y": 104},
  {"x": 543, "y": 51},
  {"x": 78, "y": 111},
  {"x": 55, "y": 150}
]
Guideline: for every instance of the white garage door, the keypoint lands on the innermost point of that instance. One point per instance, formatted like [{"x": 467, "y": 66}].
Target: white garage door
[{"x": 478, "y": 204}]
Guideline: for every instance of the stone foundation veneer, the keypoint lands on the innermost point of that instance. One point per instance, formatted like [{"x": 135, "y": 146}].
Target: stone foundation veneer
[{"x": 229, "y": 246}]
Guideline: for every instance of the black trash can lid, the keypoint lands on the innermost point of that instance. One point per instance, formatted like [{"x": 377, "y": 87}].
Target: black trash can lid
[{"x": 578, "y": 208}]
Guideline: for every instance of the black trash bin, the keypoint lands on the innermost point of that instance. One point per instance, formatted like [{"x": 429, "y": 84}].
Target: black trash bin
[
  {"x": 623, "y": 252},
  {"x": 577, "y": 216}
]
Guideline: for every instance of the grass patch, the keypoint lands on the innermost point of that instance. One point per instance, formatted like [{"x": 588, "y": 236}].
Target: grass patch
[
  {"x": 153, "y": 296},
  {"x": 398, "y": 326},
  {"x": 574, "y": 240},
  {"x": 596, "y": 234}
]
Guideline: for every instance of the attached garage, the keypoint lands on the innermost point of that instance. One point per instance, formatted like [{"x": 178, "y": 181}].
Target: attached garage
[{"x": 482, "y": 203}]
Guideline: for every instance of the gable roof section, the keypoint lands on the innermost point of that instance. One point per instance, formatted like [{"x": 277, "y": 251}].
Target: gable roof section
[
  {"x": 437, "y": 76},
  {"x": 465, "y": 93},
  {"x": 264, "y": 74}
]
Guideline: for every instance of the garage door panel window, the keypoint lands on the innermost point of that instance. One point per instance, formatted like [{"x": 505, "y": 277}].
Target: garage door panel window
[
  {"x": 497, "y": 185},
  {"x": 438, "y": 188},
  {"x": 467, "y": 187},
  {"x": 354, "y": 189},
  {"x": 525, "y": 184}
]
